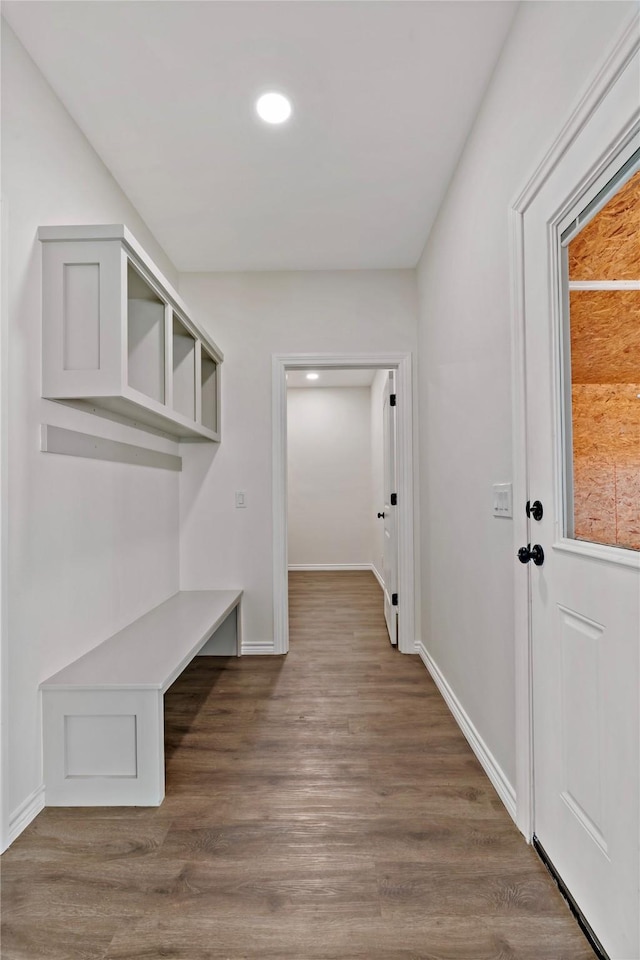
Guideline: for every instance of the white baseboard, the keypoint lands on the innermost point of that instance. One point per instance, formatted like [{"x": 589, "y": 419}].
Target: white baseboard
[
  {"x": 293, "y": 567},
  {"x": 488, "y": 762},
  {"x": 25, "y": 813},
  {"x": 329, "y": 566},
  {"x": 376, "y": 574},
  {"x": 257, "y": 647}
]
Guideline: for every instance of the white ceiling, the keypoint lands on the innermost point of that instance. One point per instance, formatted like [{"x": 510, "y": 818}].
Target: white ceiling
[
  {"x": 330, "y": 378},
  {"x": 384, "y": 95}
]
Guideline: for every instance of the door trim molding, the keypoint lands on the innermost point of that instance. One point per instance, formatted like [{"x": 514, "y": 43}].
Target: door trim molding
[
  {"x": 5, "y": 825},
  {"x": 601, "y": 82},
  {"x": 402, "y": 363}
]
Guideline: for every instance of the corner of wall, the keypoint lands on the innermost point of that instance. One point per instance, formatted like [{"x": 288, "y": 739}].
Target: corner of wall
[
  {"x": 24, "y": 813},
  {"x": 488, "y": 762}
]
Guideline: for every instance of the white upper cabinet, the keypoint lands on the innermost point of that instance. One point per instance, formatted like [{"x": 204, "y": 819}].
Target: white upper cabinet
[{"x": 116, "y": 334}]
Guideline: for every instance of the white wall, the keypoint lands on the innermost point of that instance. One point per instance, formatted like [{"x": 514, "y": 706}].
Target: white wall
[
  {"x": 329, "y": 475},
  {"x": 376, "y": 398},
  {"x": 91, "y": 545},
  {"x": 253, "y": 316},
  {"x": 468, "y": 562}
]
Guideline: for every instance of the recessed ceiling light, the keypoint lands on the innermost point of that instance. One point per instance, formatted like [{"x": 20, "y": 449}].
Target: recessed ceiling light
[
  {"x": 273, "y": 108},
  {"x": 313, "y": 376}
]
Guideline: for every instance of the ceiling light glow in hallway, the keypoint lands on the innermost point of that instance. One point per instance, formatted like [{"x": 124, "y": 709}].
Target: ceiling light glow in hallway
[{"x": 273, "y": 108}]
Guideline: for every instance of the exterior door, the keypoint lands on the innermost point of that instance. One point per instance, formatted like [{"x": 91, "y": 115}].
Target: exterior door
[
  {"x": 390, "y": 549},
  {"x": 585, "y": 596}
]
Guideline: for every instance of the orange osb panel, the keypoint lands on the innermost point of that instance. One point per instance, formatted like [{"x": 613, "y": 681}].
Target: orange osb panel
[
  {"x": 607, "y": 503},
  {"x": 606, "y": 465},
  {"x": 594, "y": 500},
  {"x": 606, "y": 422},
  {"x": 608, "y": 248},
  {"x": 605, "y": 336},
  {"x": 628, "y": 506}
]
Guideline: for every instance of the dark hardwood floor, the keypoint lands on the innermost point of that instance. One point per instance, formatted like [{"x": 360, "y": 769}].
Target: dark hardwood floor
[{"x": 322, "y": 806}]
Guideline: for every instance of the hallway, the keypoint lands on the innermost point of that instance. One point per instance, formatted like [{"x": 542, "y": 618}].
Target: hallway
[{"x": 322, "y": 806}]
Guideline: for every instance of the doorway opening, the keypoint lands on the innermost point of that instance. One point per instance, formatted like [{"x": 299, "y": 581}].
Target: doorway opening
[
  {"x": 334, "y": 367},
  {"x": 341, "y": 477}
]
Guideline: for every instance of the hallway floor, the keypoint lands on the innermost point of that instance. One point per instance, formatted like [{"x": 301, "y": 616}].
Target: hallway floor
[{"x": 322, "y": 806}]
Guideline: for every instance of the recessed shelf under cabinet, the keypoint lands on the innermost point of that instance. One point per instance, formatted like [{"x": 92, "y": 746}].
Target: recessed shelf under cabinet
[{"x": 117, "y": 334}]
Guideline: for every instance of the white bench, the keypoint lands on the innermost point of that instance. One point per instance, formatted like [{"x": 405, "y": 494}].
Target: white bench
[{"x": 103, "y": 714}]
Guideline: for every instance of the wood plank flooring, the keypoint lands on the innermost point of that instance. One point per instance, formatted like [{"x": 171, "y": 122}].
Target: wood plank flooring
[{"x": 322, "y": 806}]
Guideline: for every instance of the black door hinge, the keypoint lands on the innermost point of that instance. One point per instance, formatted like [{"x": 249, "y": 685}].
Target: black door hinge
[
  {"x": 394, "y": 599},
  {"x": 394, "y": 499},
  {"x": 392, "y": 399}
]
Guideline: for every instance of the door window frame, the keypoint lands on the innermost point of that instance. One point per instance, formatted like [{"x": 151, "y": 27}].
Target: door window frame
[{"x": 566, "y": 227}]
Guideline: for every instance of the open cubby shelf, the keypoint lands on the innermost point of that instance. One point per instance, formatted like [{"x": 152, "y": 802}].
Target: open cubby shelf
[
  {"x": 208, "y": 389},
  {"x": 184, "y": 370},
  {"x": 117, "y": 334}
]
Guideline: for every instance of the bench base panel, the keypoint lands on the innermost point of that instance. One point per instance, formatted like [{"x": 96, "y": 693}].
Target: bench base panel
[
  {"x": 103, "y": 714},
  {"x": 103, "y": 747}
]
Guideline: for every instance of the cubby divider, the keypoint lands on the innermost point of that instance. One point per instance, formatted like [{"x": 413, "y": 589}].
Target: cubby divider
[{"x": 184, "y": 370}]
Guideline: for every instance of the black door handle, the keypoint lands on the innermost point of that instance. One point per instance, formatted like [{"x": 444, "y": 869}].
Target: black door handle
[
  {"x": 380, "y": 516},
  {"x": 535, "y": 553},
  {"x": 534, "y": 509}
]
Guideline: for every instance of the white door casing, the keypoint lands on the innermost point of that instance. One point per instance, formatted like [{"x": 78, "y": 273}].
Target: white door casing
[
  {"x": 577, "y": 657},
  {"x": 4, "y": 539},
  {"x": 390, "y": 548},
  {"x": 401, "y": 364}
]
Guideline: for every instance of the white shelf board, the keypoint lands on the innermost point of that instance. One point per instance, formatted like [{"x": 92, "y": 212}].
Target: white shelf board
[
  {"x": 72, "y": 443},
  {"x": 136, "y": 408},
  {"x": 152, "y": 651}
]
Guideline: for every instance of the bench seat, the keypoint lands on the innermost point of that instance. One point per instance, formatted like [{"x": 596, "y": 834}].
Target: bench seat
[{"x": 103, "y": 714}]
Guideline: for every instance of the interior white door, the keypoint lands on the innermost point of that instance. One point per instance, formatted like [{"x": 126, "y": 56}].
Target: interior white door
[
  {"x": 585, "y": 597},
  {"x": 390, "y": 549}
]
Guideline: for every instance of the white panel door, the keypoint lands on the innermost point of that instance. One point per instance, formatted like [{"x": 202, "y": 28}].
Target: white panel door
[
  {"x": 390, "y": 549},
  {"x": 585, "y": 597}
]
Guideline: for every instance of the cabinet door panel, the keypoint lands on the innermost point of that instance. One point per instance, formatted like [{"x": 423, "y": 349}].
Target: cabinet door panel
[{"x": 83, "y": 293}]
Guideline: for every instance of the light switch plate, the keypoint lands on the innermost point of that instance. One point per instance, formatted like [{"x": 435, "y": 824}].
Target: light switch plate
[
  {"x": 241, "y": 499},
  {"x": 502, "y": 500}
]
